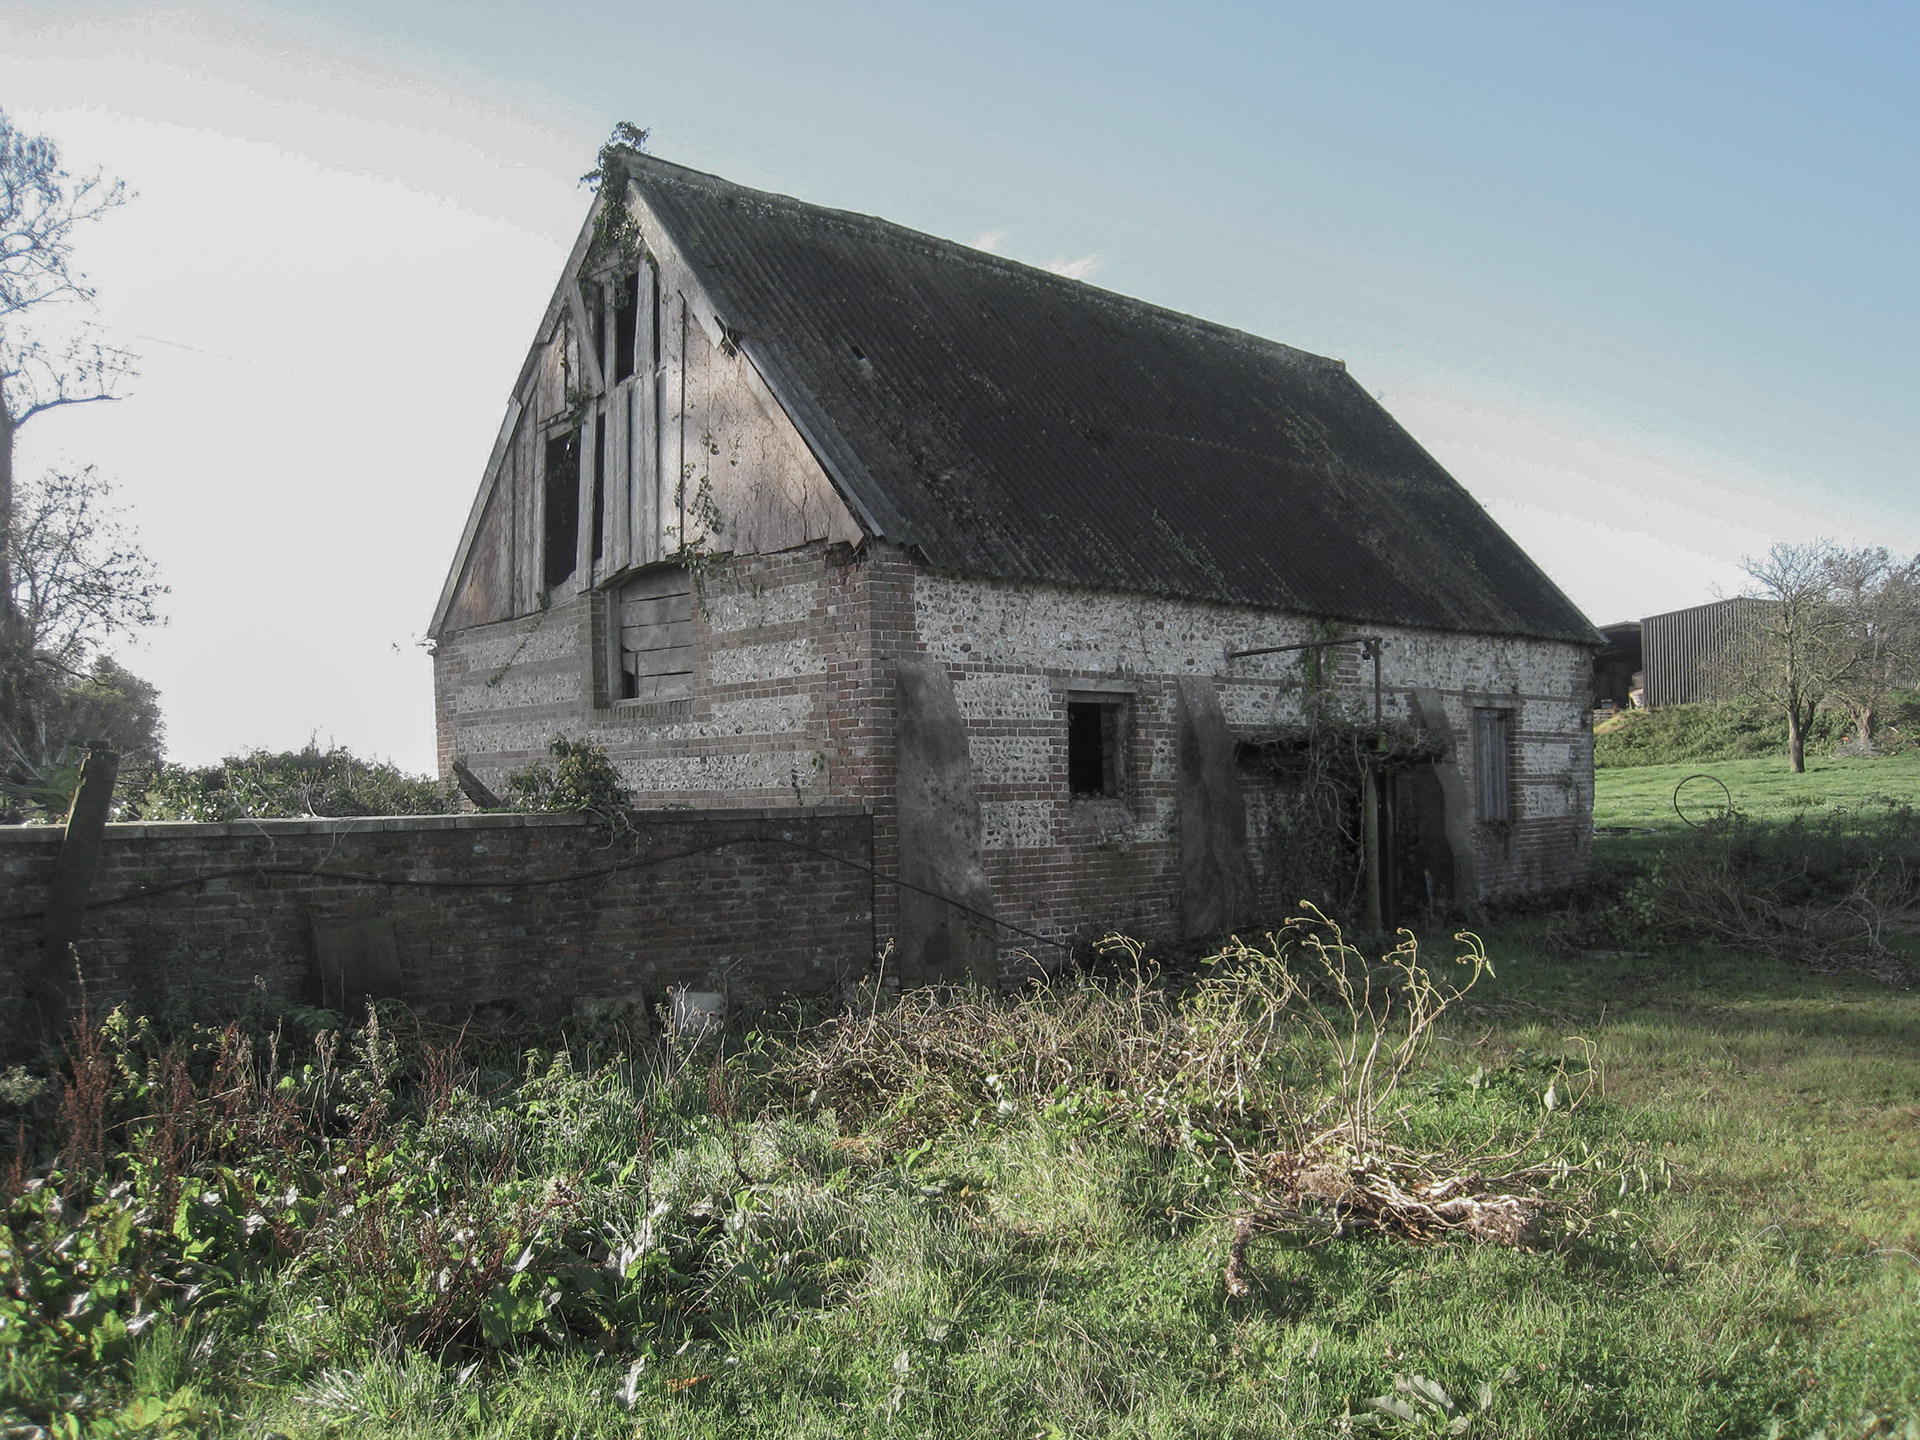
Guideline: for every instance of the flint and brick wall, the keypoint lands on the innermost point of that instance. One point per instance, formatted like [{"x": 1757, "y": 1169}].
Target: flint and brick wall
[
  {"x": 769, "y": 652},
  {"x": 1059, "y": 863},
  {"x": 756, "y": 920},
  {"x": 793, "y": 706}
]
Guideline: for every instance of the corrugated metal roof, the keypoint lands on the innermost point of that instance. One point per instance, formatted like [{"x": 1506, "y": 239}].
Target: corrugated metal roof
[{"x": 1003, "y": 420}]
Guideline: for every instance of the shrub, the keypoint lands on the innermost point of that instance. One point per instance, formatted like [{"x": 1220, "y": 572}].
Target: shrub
[
  {"x": 1824, "y": 888},
  {"x": 1722, "y": 730},
  {"x": 582, "y": 781},
  {"x": 264, "y": 784}
]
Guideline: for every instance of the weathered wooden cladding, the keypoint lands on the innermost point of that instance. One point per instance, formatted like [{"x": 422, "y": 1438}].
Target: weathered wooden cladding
[{"x": 656, "y": 635}]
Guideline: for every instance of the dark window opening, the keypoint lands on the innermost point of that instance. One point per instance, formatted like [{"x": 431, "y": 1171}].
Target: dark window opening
[
  {"x": 599, "y": 488},
  {"x": 562, "y": 506},
  {"x": 626, "y": 327},
  {"x": 1492, "y": 765},
  {"x": 1094, "y": 765},
  {"x": 653, "y": 299}
]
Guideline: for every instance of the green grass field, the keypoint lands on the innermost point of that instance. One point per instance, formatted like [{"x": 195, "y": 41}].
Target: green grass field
[
  {"x": 1765, "y": 790},
  {"x": 945, "y": 1267}
]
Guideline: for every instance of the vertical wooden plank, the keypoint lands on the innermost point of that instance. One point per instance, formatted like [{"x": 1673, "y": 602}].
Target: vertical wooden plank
[
  {"x": 619, "y": 406},
  {"x": 507, "y": 488},
  {"x": 647, "y": 355},
  {"x": 647, "y": 492},
  {"x": 679, "y": 478},
  {"x": 527, "y": 477},
  {"x": 583, "y": 544},
  {"x": 49, "y": 984},
  {"x": 673, "y": 402}
]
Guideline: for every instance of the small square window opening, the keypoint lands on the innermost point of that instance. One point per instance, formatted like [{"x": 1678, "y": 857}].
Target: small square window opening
[{"x": 1096, "y": 735}]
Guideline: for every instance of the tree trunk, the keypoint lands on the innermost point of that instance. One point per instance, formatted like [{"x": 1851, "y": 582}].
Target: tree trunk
[
  {"x": 1864, "y": 720},
  {"x": 1796, "y": 743},
  {"x": 12, "y": 665},
  {"x": 7, "y": 429}
]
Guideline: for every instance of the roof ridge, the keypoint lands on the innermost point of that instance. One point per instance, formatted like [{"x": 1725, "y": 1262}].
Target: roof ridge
[
  {"x": 906, "y": 236},
  {"x": 1014, "y": 422}
]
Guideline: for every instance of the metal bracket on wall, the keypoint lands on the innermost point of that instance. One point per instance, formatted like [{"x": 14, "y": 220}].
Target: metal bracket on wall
[{"x": 1370, "y": 648}]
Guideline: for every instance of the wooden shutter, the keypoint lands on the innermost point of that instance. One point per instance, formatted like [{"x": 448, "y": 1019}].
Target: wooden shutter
[
  {"x": 1491, "y": 764},
  {"x": 656, "y": 636}
]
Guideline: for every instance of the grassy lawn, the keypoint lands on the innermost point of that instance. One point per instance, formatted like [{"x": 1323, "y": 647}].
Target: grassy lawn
[
  {"x": 1044, "y": 1268},
  {"x": 1643, "y": 796}
]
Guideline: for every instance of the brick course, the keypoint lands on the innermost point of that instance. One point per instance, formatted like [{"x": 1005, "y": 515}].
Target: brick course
[{"x": 754, "y": 919}]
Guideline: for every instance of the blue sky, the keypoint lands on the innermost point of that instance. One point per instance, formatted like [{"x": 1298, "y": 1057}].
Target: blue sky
[{"x": 1640, "y": 276}]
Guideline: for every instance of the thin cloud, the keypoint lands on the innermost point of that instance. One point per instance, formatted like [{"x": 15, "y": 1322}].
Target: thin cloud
[{"x": 1074, "y": 269}]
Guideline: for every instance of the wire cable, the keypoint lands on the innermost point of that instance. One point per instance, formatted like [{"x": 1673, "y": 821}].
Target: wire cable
[{"x": 146, "y": 892}]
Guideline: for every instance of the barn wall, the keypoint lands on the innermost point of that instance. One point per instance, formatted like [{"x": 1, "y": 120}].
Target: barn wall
[
  {"x": 1017, "y": 652},
  {"x": 794, "y": 705},
  {"x": 770, "y": 655},
  {"x": 1698, "y": 654},
  {"x": 759, "y": 919}
]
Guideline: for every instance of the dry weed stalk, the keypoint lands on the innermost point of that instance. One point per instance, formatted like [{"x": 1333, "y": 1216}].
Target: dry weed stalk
[
  {"x": 1285, "y": 1061},
  {"x": 1709, "y": 895},
  {"x": 1367, "y": 1024}
]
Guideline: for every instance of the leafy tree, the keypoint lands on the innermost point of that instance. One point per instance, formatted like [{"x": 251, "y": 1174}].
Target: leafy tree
[
  {"x": 109, "y": 703},
  {"x": 263, "y": 785}
]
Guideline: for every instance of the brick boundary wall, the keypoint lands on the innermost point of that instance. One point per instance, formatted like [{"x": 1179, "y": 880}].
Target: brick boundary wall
[{"x": 755, "y": 920}]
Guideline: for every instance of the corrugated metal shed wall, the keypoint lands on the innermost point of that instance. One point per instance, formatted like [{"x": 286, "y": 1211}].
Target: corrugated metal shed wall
[{"x": 1695, "y": 654}]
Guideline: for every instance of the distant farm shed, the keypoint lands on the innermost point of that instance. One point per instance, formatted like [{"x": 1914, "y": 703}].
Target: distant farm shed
[
  {"x": 794, "y": 506},
  {"x": 1617, "y": 666},
  {"x": 1698, "y": 654}
]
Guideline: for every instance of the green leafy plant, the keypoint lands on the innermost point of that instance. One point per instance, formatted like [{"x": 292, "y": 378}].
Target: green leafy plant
[
  {"x": 1417, "y": 1406},
  {"x": 264, "y": 784},
  {"x": 582, "y": 780}
]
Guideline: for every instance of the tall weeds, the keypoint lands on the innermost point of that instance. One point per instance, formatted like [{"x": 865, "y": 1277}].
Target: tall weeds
[
  {"x": 1833, "y": 891},
  {"x": 385, "y": 1182}
]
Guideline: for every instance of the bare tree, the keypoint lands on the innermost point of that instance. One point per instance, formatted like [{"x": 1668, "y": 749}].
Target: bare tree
[
  {"x": 50, "y": 354},
  {"x": 69, "y": 574},
  {"x": 1880, "y": 601},
  {"x": 79, "y": 574},
  {"x": 1801, "y": 651}
]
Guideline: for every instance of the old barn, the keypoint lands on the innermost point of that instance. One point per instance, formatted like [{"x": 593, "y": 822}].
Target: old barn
[{"x": 1108, "y": 616}]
